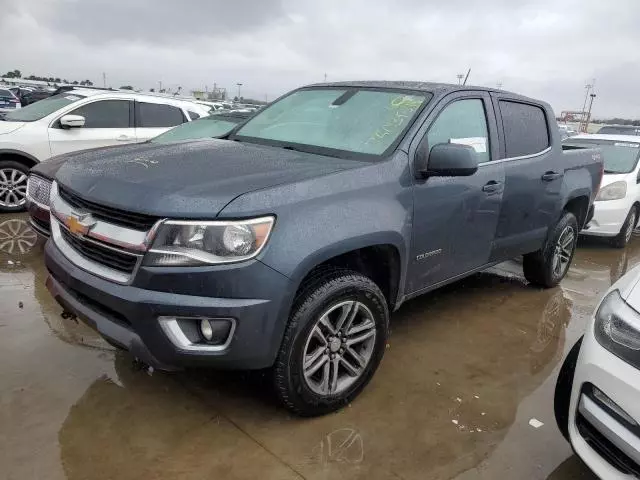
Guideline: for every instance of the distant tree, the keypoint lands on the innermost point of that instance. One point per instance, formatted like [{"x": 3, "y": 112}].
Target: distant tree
[
  {"x": 65, "y": 81},
  {"x": 51, "y": 79},
  {"x": 163, "y": 90},
  {"x": 17, "y": 74},
  {"x": 75, "y": 82},
  {"x": 152, "y": 89},
  {"x": 126, "y": 87},
  {"x": 57, "y": 80},
  {"x": 235, "y": 99}
]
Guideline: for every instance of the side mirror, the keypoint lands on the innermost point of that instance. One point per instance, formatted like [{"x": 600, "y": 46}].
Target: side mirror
[
  {"x": 448, "y": 160},
  {"x": 72, "y": 121}
]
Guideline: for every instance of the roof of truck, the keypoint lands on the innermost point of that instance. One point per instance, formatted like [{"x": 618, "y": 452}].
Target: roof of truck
[{"x": 412, "y": 85}]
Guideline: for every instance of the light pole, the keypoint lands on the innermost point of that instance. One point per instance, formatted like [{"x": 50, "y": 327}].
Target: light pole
[
  {"x": 239, "y": 85},
  {"x": 460, "y": 76},
  {"x": 586, "y": 125}
]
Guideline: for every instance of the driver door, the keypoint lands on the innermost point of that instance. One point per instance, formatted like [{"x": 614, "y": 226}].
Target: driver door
[
  {"x": 107, "y": 122},
  {"x": 455, "y": 218}
]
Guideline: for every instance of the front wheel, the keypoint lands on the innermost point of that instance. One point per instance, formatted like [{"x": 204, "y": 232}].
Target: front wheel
[
  {"x": 548, "y": 266},
  {"x": 621, "y": 240},
  {"x": 13, "y": 186},
  {"x": 333, "y": 344}
]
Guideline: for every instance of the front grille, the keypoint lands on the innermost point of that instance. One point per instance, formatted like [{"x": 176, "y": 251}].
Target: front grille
[
  {"x": 136, "y": 221},
  {"x": 38, "y": 189},
  {"x": 607, "y": 450},
  {"x": 116, "y": 260}
]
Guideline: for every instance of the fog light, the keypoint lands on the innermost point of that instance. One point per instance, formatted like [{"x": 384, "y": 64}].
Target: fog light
[
  {"x": 611, "y": 405},
  {"x": 206, "y": 330}
]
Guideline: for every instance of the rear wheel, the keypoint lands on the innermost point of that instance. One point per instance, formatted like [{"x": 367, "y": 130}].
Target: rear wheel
[
  {"x": 548, "y": 266},
  {"x": 334, "y": 341},
  {"x": 564, "y": 384},
  {"x": 13, "y": 186},
  {"x": 621, "y": 240}
]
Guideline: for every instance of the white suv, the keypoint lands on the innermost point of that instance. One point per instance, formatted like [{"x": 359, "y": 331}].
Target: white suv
[{"x": 77, "y": 120}]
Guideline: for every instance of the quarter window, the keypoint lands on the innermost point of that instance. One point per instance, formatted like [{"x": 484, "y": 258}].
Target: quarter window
[
  {"x": 525, "y": 128},
  {"x": 105, "y": 114},
  {"x": 152, "y": 115},
  {"x": 193, "y": 115},
  {"x": 463, "y": 122}
]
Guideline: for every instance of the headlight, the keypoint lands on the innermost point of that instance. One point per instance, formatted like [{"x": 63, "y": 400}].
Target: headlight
[
  {"x": 617, "y": 328},
  {"x": 614, "y": 191},
  {"x": 192, "y": 243}
]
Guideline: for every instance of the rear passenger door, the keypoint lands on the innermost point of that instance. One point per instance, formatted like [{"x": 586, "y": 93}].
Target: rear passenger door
[
  {"x": 152, "y": 119},
  {"x": 532, "y": 181},
  {"x": 106, "y": 122}
]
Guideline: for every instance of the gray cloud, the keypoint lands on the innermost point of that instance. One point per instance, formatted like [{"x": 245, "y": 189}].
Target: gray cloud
[
  {"x": 542, "y": 48},
  {"x": 160, "y": 21}
]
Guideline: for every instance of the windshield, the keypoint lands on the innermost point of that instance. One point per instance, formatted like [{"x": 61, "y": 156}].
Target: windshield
[
  {"x": 352, "y": 120},
  {"x": 206, "y": 127},
  {"x": 42, "y": 108},
  {"x": 619, "y": 157}
]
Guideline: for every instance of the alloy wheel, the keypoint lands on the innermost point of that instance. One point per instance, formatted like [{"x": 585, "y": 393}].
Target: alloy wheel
[
  {"x": 339, "y": 347},
  {"x": 13, "y": 187},
  {"x": 630, "y": 225},
  {"x": 563, "y": 251}
]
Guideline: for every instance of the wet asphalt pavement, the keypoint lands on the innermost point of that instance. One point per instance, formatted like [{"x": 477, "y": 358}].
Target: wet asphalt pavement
[{"x": 466, "y": 370}]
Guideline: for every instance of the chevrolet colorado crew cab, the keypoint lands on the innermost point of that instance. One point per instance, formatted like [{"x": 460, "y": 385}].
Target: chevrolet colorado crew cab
[{"x": 287, "y": 244}]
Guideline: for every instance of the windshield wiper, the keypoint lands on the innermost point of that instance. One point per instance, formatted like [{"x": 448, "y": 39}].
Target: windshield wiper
[{"x": 610, "y": 171}]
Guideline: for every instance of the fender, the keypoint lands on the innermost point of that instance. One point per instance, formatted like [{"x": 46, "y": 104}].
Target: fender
[{"x": 19, "y": 153}]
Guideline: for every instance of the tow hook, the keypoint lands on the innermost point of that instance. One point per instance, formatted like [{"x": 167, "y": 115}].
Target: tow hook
[{"x": 69, "y": 316}]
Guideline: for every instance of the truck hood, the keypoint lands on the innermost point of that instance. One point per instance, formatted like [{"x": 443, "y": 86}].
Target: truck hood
[
  {"x": 8, "y": 127},
  {"x": 193, "y": 179}
]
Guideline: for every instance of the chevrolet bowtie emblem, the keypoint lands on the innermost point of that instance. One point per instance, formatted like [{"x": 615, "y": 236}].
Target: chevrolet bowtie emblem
[{"x": 80, "y": 224}]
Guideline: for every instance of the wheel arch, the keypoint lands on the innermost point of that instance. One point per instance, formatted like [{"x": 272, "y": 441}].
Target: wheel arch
[{"x": 18, "y": 156}]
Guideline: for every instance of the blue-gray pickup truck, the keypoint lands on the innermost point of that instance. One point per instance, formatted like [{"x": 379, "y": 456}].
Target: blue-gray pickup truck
[{"x": 287, "y": 244}]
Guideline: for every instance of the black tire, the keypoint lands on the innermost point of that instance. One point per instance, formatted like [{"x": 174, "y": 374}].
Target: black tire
[
  {"x": 621, "y": 240},
  {"x": 327, "y": 288},
  {"x": 10, "y": 164},
  {"x": 564, "y": 384},
  {"x": 538, "y": 267}
]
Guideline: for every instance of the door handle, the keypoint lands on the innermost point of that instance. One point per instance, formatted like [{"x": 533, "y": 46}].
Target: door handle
[
  {"x": 492, "y": 187},
  {"x": 551, "y": 176},
  {"x": 123, "y": 138}
]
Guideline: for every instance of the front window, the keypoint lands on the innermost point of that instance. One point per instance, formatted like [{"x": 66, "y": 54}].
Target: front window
[
  {"x": 206, "y": 127},
  {"x": 619, "y": 157},
  {"x": 354, "y": 120},
  {"x": 42, "y": 108}
]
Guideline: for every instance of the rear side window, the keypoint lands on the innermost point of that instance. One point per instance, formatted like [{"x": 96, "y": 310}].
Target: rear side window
[
  {"x": 105, "y": 114},
  {"x": 525, "y": 128},
  {"x": 152, "y": 115},
  {"x": 193, "y": 115}
]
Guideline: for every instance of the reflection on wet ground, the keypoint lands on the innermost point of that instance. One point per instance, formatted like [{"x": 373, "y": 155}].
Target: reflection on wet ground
[{"x": 466, "y": 369}]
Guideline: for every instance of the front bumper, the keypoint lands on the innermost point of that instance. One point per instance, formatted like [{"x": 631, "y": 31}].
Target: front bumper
[
  {"x": 603, "y": 440},
  {"x": 608, "y": 218},
  {"x": 254, "y": 295}
]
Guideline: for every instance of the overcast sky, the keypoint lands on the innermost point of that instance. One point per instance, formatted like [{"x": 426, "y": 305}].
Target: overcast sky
[{"x": 542, "y": 48}]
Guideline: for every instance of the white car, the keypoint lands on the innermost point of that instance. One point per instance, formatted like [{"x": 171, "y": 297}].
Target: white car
[
  {"x": 617, "y": 206},
  {"x": 77, "y": 120},
  {"x": 596, "y": 399}
]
